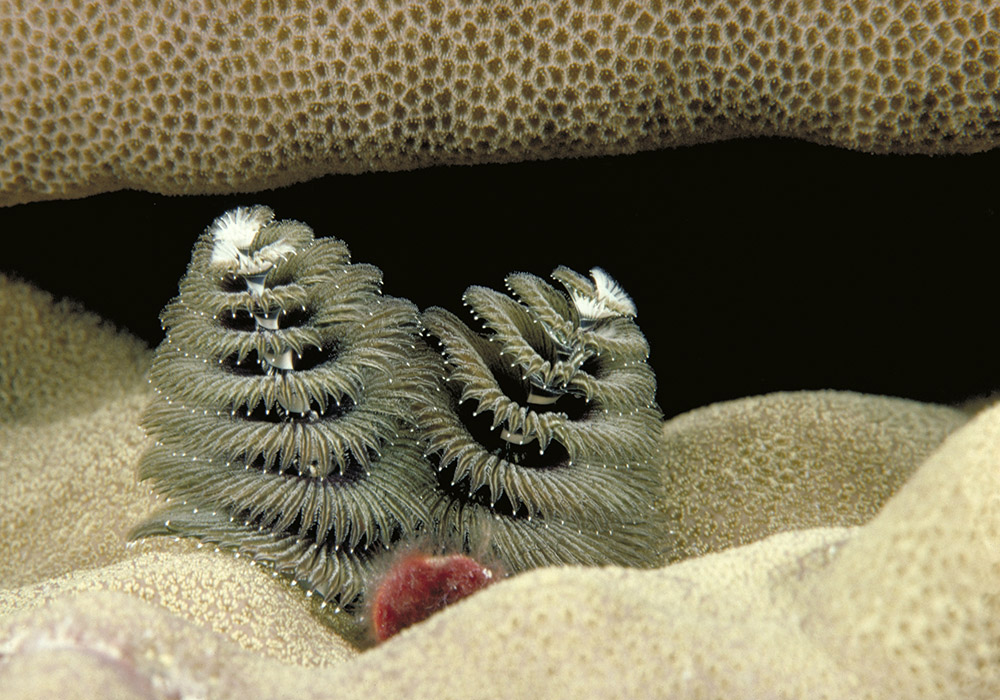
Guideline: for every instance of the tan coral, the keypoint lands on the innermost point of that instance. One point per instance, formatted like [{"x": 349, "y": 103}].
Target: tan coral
[
  {"x": 229, "y": 596},
  {"x": 920, "y": 585},
  {"x": 58, "y": 360},
  {"x": 71, "y": 390},
  {"x": 555, "y": 633},
  {"x": 903, "y": 606},
  {"x": 68, "y": 491},
  {"x": 220, "y": 96},
  {"x": 112, "y": 645},
  {"x": 742, "y": 470}
]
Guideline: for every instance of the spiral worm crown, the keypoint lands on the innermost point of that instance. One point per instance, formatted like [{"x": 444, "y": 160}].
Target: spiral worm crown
[
  {"x": 284, "y": 392},
  {"x": 546, "y": 442},
  {"x": 299, "y": 418}
]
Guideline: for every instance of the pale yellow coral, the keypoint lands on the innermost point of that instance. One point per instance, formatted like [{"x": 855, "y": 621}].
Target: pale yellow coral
[
  {"x": 101, "y": 644},
  {"x": 903, "y": 606},
  {"x": 221, "y": 96},
  {"x": 68, "y": 490},
  {"x": 71, "y": 390},
  {"x": 58, "y": 361},
  {"x": 920, "y": 585},
  {"x": 229, "y": 596},
  {"x": 739, "y": 471}
]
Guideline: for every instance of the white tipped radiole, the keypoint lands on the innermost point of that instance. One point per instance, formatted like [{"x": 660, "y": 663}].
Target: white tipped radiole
[
  {"x": 286, "y": 437},
  {"x": 234, "y": 231},
  {"x": 611, "y": 294},
  {"x": 609, "y": 299},
  {"x": 233, "y": 235}
]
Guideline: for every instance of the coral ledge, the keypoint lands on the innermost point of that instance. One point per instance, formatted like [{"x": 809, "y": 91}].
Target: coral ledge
[{"x": 211, "y": 97}]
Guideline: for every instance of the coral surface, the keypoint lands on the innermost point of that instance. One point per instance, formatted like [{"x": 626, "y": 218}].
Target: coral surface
[
  {"x": 902, "y": 605},
  {"x": 739, "y": 471},
  {"x": 208, "y": 96},
  {"x": 65, "y": 373}
]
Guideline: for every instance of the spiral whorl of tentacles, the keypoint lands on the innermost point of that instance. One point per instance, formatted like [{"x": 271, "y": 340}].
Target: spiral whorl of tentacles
[
  {"x": 546, "y": 444},
  {"x": 284, "y": 393}
]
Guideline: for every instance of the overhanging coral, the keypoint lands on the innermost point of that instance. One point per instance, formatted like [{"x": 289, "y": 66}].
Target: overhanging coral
[{"x": 228, "y": 96}]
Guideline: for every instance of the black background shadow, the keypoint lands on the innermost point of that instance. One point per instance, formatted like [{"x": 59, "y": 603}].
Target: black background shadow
[{"x": 756, "y": 266}]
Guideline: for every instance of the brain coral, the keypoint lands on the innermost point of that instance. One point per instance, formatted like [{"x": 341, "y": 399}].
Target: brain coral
[{"x": 220, "y": 96}]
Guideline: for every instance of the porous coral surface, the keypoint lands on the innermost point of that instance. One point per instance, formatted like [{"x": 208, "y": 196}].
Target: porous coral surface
[
  {"x": 739, "y": 471},
  {"x": 71, "y": 390},
  {"x": 902, "y": 606},
  {"x": 208, "y": 96}
]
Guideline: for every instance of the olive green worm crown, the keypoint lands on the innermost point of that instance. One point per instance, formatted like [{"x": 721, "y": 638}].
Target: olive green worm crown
[
  {"x": 300, "y": 419},
  {"x": 547, "y": 439},
  {"x": 284, "y": 392}
]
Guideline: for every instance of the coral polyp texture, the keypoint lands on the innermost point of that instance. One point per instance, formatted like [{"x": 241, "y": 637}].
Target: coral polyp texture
[
  {"x": 547, "y": 442},
  {"x": 283, "y": 393},
  {"x": 200, "y": 97}
]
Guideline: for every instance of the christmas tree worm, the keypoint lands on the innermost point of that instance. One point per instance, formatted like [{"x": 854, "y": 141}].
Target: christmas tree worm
[
  {"x": 546, "y": 447},
  {"x": 283, "y": 391}
]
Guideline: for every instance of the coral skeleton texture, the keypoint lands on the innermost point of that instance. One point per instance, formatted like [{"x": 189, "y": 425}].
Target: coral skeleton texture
[
  {"x": 207, "y": 97},
  {"x": 734, "y": 470}
]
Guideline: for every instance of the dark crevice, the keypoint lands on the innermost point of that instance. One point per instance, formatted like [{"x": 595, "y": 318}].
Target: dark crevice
[
  {"x": 241, "y": 321},
  {"x": 593, "y": 366},
  {"x": 313, "y": 356},
  {"x": 278, "y": 415},
  {"x": 253, "y": 366},
  {"x": 293, "y": 318},
  {"x": 232, "y": 283},
  {"x": 480, "y": 427},
  {"x": 244, "y": 321},
  {"x": 250, "y": 366},
  {"x": 510, "y": 383},
  {"x": 460, "y": 492}
]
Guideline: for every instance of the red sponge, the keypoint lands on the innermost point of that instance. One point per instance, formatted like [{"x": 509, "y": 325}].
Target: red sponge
[{"x": 418, "y": 585}]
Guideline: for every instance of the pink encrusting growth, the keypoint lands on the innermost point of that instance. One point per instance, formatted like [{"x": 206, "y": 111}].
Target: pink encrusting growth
[{"x": 418, "y": 585}]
